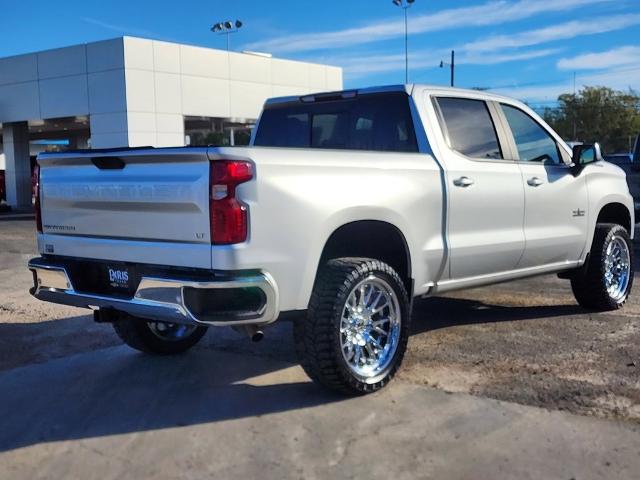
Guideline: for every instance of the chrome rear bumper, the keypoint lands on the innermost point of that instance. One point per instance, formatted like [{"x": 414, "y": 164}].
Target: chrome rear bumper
[{"x": 160, "y": 299}]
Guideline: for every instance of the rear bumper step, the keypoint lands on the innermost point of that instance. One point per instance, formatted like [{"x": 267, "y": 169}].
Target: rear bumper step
[{"x": 170, "y": 299}]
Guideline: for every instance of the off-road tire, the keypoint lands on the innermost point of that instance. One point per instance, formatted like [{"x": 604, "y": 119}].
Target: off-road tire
[
  {"x": 137, "y": 334},
  {"x": 589, "y": 286},
  {"x": 317, "y": 336}
]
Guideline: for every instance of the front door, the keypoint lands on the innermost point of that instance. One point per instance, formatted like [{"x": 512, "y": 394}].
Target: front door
[{"x": 555, "y": 220}]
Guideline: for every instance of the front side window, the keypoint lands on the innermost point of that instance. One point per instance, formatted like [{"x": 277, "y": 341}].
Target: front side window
[
  {"x": 533, "y": 142},
  {"x": 470, "y": 127}
]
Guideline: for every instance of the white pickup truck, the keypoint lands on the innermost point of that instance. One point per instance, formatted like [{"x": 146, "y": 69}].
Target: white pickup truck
[{"x": 345, "y": 207}]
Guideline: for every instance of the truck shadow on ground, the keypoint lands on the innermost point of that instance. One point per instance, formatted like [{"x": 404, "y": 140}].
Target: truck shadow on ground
[
  {"x": 118, "y": 391},
  {"x": 443, "y": 312},
  {"x": 99, "y": 390}
]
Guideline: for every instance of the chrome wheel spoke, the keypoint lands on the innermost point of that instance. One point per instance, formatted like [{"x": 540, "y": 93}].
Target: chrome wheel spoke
[
  {"x": 374, "y": 304},
  {"x": 361, "y": 301},
  {"x": 370, "y": 351},
  {"x": 358, "y": 355},
  {"x": 369, "y": 338},
  {"x": 368, "y": 296},
  {"x": 376, "y": 343},
  {"x": 617, "y": 268},
  {"x": 349, "y": 350},
  {"x": 380, "y": 331},
  {"x": 381, "y": 321},
  {"x": 380, "y": 308}
]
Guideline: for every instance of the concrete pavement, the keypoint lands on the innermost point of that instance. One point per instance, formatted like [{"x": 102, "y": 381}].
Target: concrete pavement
[
  {"x": 232, "y": 409},
  {"x": 114, "y": 413}
]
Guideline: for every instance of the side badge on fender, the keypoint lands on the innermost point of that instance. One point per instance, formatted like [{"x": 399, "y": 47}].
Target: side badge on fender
[{"x": 578, "y": 213}]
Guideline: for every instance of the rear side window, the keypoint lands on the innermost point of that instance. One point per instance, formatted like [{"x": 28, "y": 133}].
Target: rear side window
[
  {"x": 534, "y": 142},
  {"x": 470, "y": 127},
  {"x": 379, "y": 122}
]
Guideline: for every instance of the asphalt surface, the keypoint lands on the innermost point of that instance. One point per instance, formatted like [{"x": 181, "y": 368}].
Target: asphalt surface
[{"x": 74, "y": 403}]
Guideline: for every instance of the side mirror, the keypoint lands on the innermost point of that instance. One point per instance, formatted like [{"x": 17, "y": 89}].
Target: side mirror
[{"x": 586, "y": 154}]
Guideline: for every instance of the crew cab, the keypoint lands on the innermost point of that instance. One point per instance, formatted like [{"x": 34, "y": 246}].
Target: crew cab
[{"x": 345, "y": 207}]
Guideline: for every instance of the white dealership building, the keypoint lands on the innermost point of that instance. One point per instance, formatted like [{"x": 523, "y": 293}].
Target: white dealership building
[{"x": 130, "y": 92}]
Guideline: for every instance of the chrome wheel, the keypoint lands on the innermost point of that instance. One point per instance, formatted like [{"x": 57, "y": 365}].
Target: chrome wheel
[
  {"x": 370, "y": 328},
  {"x": 172, "y": 332},
  {"x": 617, "y": 268}
]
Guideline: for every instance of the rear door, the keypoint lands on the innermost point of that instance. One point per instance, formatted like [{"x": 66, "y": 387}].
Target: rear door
[
  {"x": 486, "y": 196},
  {"x": 555, "y": 220}
]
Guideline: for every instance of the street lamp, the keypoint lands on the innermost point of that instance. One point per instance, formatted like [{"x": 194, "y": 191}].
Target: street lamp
[
  {"x": 405, "y": 5},
  {"x": 226, "y": 28},
  {"x": 452, "y": 65}
]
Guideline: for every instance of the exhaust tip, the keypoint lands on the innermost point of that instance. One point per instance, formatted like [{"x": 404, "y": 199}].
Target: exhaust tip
[
  {"x": 251, "y": 331},
  {"x": 257, "y": 336}
]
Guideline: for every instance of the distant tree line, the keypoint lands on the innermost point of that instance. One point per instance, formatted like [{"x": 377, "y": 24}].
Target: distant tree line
[{"x": 599, "y": 114}]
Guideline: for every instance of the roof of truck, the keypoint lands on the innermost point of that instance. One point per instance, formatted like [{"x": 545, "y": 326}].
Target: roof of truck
[{"x": 409, "y": 88}]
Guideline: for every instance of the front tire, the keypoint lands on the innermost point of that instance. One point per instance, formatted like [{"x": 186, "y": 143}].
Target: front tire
[
  {"x": 157, "y": 338},
  {"x": 605, "y": 283},
  {"x": 356, "y": 331}
]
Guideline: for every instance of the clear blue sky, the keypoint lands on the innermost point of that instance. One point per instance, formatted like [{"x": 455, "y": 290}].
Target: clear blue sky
[{"x": 525, "y": 48}]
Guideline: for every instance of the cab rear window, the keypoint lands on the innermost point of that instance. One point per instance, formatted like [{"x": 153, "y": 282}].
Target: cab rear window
[{"x": 378, "y": 122}]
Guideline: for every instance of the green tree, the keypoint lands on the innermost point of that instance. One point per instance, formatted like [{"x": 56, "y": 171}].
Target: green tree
[
  {"x": 210, "y": 138},
  {"x": 597, "y": 114}
]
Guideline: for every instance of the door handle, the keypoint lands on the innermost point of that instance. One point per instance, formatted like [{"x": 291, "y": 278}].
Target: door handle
[
  {"x": 535, "y": 182},
  {"x": 463, "y": 182}
]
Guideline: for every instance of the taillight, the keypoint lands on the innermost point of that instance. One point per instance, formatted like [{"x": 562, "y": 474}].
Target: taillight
[
  {"x": 228, "y": 216},
  {"x": 36, "y": 194}
]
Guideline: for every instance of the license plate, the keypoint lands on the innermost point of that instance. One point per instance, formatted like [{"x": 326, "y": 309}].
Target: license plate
[{"x": 119, "y": 277}]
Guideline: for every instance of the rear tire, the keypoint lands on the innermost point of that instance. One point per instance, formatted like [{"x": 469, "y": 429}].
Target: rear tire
[
  {"x": 157, "y": 338},
  {"x": 607, "y": 278},
  {"x": 355, "y": 334}
]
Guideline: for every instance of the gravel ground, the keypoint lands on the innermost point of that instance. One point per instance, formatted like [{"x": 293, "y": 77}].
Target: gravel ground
[{"x": 525, "y": 342}]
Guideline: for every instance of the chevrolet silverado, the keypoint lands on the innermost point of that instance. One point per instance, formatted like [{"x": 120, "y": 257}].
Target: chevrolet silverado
[{"x": 345, "y": 207}]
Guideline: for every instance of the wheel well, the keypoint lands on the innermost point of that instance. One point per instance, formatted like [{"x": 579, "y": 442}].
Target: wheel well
[
  {"x": 372, "y": 239},
  {"x": 615, "y": 213}
]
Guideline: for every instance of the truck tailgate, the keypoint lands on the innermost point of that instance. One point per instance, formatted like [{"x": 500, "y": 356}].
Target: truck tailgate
[{"x": 135, "y": 205}]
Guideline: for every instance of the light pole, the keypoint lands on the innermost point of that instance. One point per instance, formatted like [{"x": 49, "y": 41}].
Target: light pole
[
  {"x": 452, "y": 65},
  {"x": 226, "y": 28},
  {"x": 405, "y": 5}
]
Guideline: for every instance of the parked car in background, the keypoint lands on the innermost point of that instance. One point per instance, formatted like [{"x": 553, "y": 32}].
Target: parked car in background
[
  {"x": 34, "y": 179},
  {"x": 619, "y": 158},
  {"x": 631, "y": 167},
  {"x": 345, "y": 207},
  {"x": 3, "y": 189}
]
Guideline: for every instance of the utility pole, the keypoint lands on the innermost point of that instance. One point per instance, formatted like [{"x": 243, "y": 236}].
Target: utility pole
[
  {"x": 452, "y": 66},
  {"x": 406, "y": 47},
  {"x": 405, "y": 5},
  {"x": 575, "y": 123}
]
